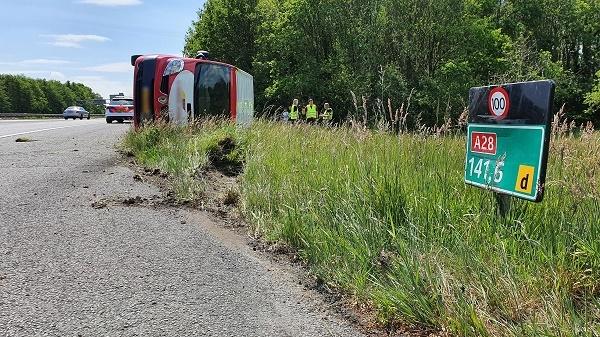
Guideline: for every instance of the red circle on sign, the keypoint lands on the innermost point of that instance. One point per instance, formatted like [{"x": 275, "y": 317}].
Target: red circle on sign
[{"x": 498, "y": 103}]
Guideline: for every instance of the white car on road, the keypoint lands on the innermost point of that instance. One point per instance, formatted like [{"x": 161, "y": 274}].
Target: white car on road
[
  {"x": 119, "y": 109},
  {"x": 76, "y": 112}
]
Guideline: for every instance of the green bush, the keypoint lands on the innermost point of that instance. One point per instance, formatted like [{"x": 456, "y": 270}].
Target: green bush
[{"x": 592, "y": 99}]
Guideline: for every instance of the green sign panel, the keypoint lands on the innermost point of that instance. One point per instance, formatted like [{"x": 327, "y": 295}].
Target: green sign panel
[
  {"x": 508, "y": 138},
  {"x": 505, "y": 158}
]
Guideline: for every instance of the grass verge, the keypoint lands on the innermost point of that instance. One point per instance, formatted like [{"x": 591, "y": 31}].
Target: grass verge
[
  {"x": 183, "y": 152},
  {"x": 388, "y": 220}
]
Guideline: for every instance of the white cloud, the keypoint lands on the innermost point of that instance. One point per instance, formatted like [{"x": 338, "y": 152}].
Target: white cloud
[
  {"x": 43, "y": 61},
  {"x": 36, "y": 62},
  {"x": 57, "y": 75},
  {"x": 74, "y": 40},
  {"x": 118, "y": 67},
  {"x": 112, "y": 3},
  {"x": 43, "y": 74}
]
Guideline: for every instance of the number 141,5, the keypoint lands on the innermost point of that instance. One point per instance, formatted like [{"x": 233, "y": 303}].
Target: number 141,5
[{"x": 481, "y": 166}]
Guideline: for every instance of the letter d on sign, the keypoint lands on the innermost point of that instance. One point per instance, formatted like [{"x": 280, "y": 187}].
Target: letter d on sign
[{"x": 525, "y": 178}]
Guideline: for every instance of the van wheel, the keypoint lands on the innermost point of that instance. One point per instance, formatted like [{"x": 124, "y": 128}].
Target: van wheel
[{"x": 108, "y": 120}]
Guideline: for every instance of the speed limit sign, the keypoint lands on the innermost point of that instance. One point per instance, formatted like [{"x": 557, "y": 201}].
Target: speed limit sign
[
  {"x": 508, "y": 136},
  {"x": 498, "y": 103}
]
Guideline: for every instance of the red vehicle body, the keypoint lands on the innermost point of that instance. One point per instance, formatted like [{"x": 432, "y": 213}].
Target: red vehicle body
[{"x": 180, "y": 90}]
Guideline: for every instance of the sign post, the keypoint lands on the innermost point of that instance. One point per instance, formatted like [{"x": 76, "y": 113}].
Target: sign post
[{"x": 508, "y": 135}]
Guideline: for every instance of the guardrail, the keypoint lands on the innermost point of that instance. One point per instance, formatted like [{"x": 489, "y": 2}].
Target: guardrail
[{"x": 28, "y": 115}]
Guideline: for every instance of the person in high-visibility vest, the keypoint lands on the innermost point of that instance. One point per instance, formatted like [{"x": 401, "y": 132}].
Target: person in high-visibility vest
[
  {"x": 294, "y": 111},
  {"x": 327, "y": 114},
  {"x": 311, "y": 112}
]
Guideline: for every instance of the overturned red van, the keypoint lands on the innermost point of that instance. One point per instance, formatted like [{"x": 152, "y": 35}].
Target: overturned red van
[{"x": 179, "y": 90}]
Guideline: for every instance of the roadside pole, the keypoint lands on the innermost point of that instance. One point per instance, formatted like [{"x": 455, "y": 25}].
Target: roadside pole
[{"x": 503, "y": 202}]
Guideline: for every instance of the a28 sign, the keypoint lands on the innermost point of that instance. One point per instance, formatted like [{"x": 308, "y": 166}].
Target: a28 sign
[
  {"x": 507, "y": 160},
  {"x": 483, "y": 167},
  {"x": 483, "y": 142}
]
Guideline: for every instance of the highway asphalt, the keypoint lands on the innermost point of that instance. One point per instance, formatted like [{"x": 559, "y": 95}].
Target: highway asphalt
[{"x": 69, "y": 266}]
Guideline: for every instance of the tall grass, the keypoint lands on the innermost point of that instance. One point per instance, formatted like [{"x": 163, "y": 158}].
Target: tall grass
[{"x": 387, "y": 219}]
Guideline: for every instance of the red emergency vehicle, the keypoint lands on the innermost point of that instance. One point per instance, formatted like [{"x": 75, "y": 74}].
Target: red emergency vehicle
[{"x": 179, "y": 90}]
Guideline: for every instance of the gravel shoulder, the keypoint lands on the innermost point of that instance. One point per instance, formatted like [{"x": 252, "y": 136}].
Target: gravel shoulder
[{"x": 72, "y": 264}]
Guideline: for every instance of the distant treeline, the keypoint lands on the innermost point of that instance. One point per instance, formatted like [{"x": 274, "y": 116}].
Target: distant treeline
[
  {"x": 432, "y": 51},
  {"x": 20, "y": 94}
]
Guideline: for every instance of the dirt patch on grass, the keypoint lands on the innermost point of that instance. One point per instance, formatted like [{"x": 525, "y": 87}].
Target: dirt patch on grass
[
  {"x": 220, "y": 158},
  {"x": 219, "y": 178},
  {"x": 221, "y": 195},
  {"x": 155, "y": 201}
]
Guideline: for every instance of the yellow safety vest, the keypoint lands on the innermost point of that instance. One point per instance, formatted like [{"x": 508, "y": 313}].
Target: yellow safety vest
[
  {"x": 294, "y": 112},
  {"x": 311, "y": 111},
  {"x": 327, "y": 114}
]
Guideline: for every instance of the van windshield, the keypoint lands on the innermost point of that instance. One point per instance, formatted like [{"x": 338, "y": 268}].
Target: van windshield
[
  {"x": 121, "y": 102},
  {"x": 211, "y": 91}
]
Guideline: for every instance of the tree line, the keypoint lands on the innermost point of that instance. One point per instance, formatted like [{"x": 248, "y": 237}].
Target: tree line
[
  {"x": 373, "y": 56},
  {"x": 20, "y": 94}
]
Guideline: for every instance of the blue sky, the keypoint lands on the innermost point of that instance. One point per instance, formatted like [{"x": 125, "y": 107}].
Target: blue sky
[{"x": 90, "y": 41}]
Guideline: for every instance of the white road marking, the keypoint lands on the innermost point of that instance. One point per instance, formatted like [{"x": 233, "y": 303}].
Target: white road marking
[
  {"x": 30, "y": 120},
  {"x": 40, "y": 130}
]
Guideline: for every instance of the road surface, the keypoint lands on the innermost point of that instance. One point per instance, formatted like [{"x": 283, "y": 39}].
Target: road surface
[{"x": 70, "y": 269}]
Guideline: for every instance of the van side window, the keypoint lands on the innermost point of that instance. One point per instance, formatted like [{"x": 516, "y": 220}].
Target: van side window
[{"x": 211, "y": 90}]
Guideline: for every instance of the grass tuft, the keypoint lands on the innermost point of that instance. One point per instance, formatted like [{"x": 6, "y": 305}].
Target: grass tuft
[
  {"x": 23, "y": 140},
  {"x": 231, "y": 197}
]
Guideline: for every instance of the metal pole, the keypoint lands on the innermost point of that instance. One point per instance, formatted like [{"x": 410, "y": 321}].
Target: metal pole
[{"x": 503, "y": 201}]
